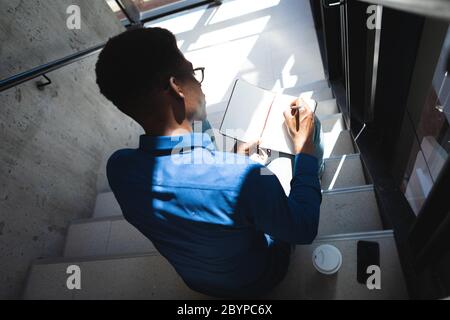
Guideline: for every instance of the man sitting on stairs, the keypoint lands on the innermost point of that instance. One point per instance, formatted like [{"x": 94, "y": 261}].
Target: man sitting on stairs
[{"x": 223, "y": 223}]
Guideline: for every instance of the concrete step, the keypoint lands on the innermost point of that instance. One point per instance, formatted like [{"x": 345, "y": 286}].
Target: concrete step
[
  {"x": 343, "y": 172},
  {"x": 349, "y": 210},
  {"x": 152, "y": 277},
  {"x": 332, "y": 123},
  {"x": 340, "y": 172},
  {"x": 105, "y": 237},
  {"x": 326, "y": 108},
  {"x": 106, "y": 205},
  {"x": 144, "y": 277},
  {"x": 304, "y": 282},
  {"x": 338, "y": 143},
  {"x": 318, "y": 94},
  {"x": 316, "y": 86}
]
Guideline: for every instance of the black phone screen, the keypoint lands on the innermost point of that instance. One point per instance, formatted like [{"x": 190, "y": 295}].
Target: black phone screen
[{"x": 368, "y": 255}]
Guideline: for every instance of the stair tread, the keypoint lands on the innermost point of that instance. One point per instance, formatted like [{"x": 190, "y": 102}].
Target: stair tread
[
  {"x": 350, "y": 172},
  {"x": 343, "y": 172},
  {"x": 313, "y": 86},
  {"x": 152, "y": 277},
  {"x": 332, "y": 122},
  {"x": 348, "y": 211},
  {"x": 338, "y": 143},
  {"x": 327, "y": 108},
  {"x": 304, "y": 282},
  {"x": 318, "y": 94},
  {"x": 140, "y": 277}
]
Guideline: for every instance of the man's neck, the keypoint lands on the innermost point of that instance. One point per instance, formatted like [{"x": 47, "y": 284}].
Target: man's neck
[{"x": 170, "y": 131}]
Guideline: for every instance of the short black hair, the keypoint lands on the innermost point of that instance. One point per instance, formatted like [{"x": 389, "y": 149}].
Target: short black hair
[{"x": 135, "y": 63}]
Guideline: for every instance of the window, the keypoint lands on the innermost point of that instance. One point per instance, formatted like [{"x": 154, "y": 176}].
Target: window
[
  {"x": 149, "y": 8},
  {"x": 432, "y": 145}
]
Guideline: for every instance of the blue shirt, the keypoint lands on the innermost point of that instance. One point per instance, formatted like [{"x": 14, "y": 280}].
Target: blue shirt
[{"x": 210, "y": 213}]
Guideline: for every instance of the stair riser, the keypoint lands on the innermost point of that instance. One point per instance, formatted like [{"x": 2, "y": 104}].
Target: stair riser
[{"x": 106, "y": 237}]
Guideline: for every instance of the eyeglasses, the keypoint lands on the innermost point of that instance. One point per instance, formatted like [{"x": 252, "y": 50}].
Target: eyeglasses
[{"x": 199, "y": 74}]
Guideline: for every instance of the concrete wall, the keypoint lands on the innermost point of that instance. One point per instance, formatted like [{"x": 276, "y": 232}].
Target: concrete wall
[{"x": 53, "y": 143}]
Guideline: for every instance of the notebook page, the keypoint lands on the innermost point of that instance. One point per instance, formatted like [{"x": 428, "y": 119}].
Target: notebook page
[
  {"x": 247, "y": 112},
  {"x": 275, "y": 135}
]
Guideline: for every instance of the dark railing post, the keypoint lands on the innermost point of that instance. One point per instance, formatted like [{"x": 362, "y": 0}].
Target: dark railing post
[{"x": 42, "y": 84}]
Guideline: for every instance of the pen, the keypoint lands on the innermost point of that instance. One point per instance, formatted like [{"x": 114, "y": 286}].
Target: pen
[{"x": 299, "y": 107}]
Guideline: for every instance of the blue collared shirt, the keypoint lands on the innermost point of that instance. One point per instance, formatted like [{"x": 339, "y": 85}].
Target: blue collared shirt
[{"x": 210, "y": 213}]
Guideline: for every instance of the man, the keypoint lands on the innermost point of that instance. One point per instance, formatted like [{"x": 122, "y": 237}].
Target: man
[{"x": 225, "y": 227}]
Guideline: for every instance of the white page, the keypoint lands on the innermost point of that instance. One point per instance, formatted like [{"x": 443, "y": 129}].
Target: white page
[
  {"x": 275, "y": 135},
  {"x": 247, "y": 112}
]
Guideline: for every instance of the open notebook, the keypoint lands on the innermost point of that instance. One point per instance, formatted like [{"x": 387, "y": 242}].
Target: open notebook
[{"x": 255, "y": 114}]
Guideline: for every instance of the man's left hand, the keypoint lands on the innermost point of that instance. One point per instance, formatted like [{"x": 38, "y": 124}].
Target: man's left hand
[{"x": 247, "y": 149}]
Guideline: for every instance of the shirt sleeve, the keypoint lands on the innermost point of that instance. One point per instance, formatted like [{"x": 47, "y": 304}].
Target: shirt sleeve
[{"x": 294, "y": 219}]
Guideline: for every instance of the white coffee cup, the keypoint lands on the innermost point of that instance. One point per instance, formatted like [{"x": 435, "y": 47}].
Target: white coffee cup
[{"x": 327, "y": 259}]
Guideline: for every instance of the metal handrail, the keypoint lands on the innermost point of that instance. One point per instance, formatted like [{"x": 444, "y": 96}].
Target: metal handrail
[
  {"x": 48, "y": 67},
  {"x": 34, "y": 73}
]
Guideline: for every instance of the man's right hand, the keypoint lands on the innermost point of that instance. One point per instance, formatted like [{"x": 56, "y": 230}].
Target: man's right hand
[{"x": 300, "y": 125}]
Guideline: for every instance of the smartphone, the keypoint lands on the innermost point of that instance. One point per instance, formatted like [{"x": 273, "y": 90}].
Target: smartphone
[{"x": 368, "y": 255}]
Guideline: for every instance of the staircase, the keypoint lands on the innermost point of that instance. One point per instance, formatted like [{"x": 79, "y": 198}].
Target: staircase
[{"x": 117, "y": 262}]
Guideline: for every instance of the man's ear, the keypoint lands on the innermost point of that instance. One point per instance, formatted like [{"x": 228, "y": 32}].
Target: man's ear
[{"x": 176, "y": 87}]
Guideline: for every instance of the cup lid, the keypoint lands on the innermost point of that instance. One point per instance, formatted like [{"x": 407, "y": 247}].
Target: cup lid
[{"x": 327, "y": 259}]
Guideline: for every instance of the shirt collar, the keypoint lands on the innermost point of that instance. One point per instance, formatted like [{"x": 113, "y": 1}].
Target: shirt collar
[{"x": 164, "y": 143}]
